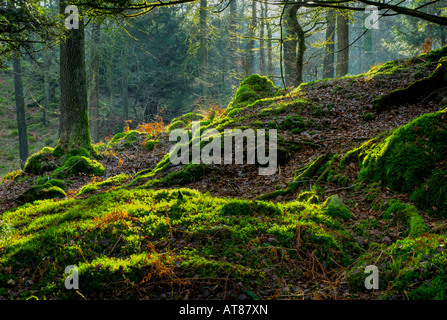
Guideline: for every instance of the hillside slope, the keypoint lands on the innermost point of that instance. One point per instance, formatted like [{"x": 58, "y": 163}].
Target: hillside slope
[{"x": 347, "y": 194}]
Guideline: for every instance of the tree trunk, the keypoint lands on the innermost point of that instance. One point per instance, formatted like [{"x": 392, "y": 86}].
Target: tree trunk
[
  {"x": 294, "y": 47},
  {"x": 125, "y": 94},
  {"x": 342, "y": 46},
  {"x": 328, "y": 63},
  {"x": 262, "y": 42},
  {"x": 46, "y": 91},
  {"x": 289, "y": 47},
  {"x": 234, "y": 44},
  {"x": 203, "y": 50},
  {"x": 94, "y": 96},
  {"x": 74, "y": 121},
  {"x": 251, "y": 48},
  {"x": 270, "y": 68},
  {"x": 20, "y": 110}
]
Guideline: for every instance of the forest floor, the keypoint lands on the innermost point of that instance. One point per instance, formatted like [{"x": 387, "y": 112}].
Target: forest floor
[{"x": 157, "y": 239}]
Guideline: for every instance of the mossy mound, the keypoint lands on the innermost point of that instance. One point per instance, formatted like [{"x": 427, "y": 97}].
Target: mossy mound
[
  {"x": 335, "y": 207},
  {"x": 79, "y": 164},
  {"x": 41, "y": 162},
  {"x": 41, "y": 192},
  {"x": 184, "y": 120},
  {"x": 125, "y": 139},
  {"x": 411, "y": 160},
  {"x": 254, "y": 88}
]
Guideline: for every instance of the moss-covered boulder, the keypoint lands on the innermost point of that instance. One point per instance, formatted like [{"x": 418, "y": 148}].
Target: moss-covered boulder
[
  {"x": 40, "y": 192},
  {"x": 79, "y": 164},
  {"x": 412, "y": 159},
  {"x": 335, "y": 207},
  {"x": 254, "y": 88},
  {"x": 41, "y": 162}
]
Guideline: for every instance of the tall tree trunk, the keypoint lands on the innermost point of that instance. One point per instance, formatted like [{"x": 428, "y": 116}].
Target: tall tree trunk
[
  {"x": 74, "y": 121},
  {"x": 46, "y": 90},
  {"x": 125, "y": 87},
  {"x": 234, "y": 43},
  {"x": 329, "y": 57},
  {"x": 342, "y": 46},
  {"x": 203, "y": 50},
  {"x": 270, "y": 68},
  {"x": 20, "y": 110},
  {"x": 94, "y": 95},
  {"x": 294, "y": 47},
  {"x": 289, "y": 46},
  {"x": 262, "y": 41},
  {"x": 252, "y": 43},
  {"x": 300, "y": 54}
]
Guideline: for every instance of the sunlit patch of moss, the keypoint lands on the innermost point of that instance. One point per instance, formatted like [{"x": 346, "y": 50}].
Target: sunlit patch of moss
[
  {"x": 40, "y": 162},
  {"x": 166, "y": 235},
  {"x": 253, "y": 88},
  {"x": 79, "y": 164}
]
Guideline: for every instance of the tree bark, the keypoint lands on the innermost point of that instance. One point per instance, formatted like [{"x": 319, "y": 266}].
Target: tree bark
[
  {"x": 94, "y": 96},
  {"x": 46, "y": 93},
  {"x": 234, "y": 43},
  {"x": 251, "y": 48},
  {"x": 294, "y": 47},
  {"x": 20, "y": 110},
  {"x": 342, "y": 46},
  {"x": 329, "y": 57},
  {"x": 270, "y": 68},
  {"x": 74, "y": 121},
  {"x": 203, "y": 50},
  {"x": 262, "y": 41}
]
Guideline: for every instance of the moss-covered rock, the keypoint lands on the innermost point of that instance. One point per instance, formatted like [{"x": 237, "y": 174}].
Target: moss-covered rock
[
  {"x": 79, "y": 164},
  {"x": 254, "y": 88},
  {"x": 412, "y": 160},
  {"x": 40, "y": 192},
  {"x": 335, "y": 207},
  {"x": 41, "y": 162}
]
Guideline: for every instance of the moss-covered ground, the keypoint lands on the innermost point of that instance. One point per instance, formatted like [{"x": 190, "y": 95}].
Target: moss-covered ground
[{"x": 354, "y": 187}]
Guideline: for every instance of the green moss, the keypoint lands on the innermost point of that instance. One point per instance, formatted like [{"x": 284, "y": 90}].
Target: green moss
[
  {"x": 409, "y": 215},
  {"x": 410, "y": 159},
  {"x": 188, "y": 174},
  {"x": 88, "y": 188},
  {"x": 412, "y": 268},
  {"x": 41, "y": 192},
  {"x": 176, "y": 125},
  {"x": 45, "y": 180},
  {"x": 335, "y": 207},
  {"x": 79, "y": 164},
  {"x": 165, "y": 236},
  {"x": 43, "y": 161},
  {"x": 253, "y": 88}
]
